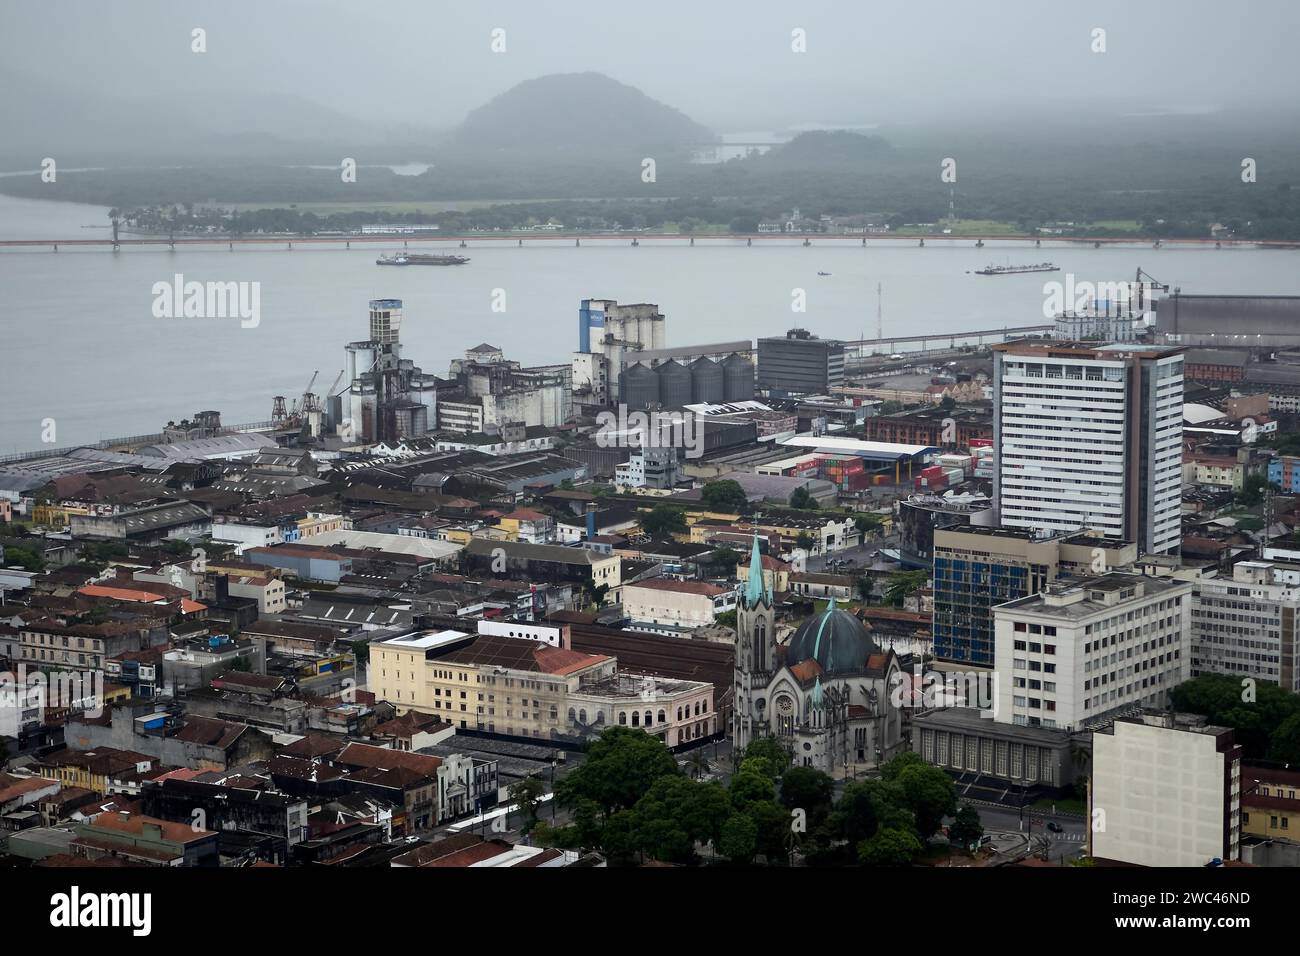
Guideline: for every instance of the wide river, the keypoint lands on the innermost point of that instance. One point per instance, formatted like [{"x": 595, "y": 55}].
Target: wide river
[{"x": 79, "y": 342}]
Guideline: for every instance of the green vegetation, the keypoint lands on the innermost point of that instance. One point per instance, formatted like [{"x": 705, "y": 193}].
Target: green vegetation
[
  {"x": 1252, "y": 494},
  {"x": 966, "y": 828},
  {"x": 803, "y": 500},
  {"x": 24, "y": 557},
  {"x": 630, "y": 800},
  {"x": 1266, "y": 718},
  {"x": 903, "y": 583},
  {"x": 527, "y": 793},
  {"x": 725, "y": 496},
  {"x": 868, "y": 523},
  {"x": 1013, "y": 182},
  {"x": 663, "y": 520}
]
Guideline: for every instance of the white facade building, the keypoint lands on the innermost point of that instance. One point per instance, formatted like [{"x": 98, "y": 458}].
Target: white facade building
[
  {"x": 1249, "y": 624},
  {"x": 1166, "y": 791},
  {"x": 1090, "y": 437},
  {"x": 1078, "y": 652}
]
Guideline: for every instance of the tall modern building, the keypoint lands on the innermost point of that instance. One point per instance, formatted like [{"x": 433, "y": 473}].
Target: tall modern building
[
  {"x": 1090, "y": 437},
  {"x": 799, "y": 363}
]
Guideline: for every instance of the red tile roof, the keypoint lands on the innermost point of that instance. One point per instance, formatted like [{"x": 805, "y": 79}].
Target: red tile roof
[{"x": 385, "y": 758}]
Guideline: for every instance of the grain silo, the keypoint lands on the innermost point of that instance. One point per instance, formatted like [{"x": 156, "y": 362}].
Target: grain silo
[
  {"x": 674, "y": 384},
  {"x": 638, "y": 386},
  {"x": 737, "y": 378},
  {"x": 706, "y": 381}
]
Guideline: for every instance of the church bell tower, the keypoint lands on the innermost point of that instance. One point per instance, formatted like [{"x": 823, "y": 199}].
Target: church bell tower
[{"x": 755, "y": 655}]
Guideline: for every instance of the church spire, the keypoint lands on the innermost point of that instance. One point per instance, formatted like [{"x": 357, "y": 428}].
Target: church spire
[{"x": 755, "y": 587}]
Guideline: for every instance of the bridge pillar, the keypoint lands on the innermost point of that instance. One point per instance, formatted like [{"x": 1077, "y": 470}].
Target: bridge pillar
[
  {"x": 807, "y": 241},
  {"x": 635, "y": 243}
]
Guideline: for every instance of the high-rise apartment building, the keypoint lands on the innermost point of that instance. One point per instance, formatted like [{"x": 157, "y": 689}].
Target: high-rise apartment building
[{"x": 1090, "y": 437}]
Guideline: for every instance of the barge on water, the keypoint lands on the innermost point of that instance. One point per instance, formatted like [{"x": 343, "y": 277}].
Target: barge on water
[
  {"x": 420, "y": 259},
  {"x": 1017, "y": 270}
]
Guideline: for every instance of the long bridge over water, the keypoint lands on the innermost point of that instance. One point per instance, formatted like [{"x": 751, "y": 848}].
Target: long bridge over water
[{"x": 634, "y": 239}]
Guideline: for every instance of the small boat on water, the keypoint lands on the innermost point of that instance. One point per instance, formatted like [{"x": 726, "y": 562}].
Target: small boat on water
[
  {"x": 1017, "y": 270},
  {"x": 823, "y": 273},
  {"x": 420, "y": 259}
]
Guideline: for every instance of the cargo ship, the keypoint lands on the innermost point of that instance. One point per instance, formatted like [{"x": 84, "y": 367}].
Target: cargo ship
[
  {"x": 1016, "y": 270},
  {"x": 420, "y": 259}
]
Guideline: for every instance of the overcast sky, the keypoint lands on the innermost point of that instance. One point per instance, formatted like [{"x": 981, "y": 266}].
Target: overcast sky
[{"x": 727, "y": 64}]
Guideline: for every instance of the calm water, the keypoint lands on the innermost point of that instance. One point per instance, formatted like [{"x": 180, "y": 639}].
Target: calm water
[{"x": 79, "y": 343}]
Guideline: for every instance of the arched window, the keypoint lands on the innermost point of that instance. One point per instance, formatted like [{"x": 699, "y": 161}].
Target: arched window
[
  {"x": 679, "y": 713},
  {"x": 636, "y": 719},
  {"x": 571, "y": 715},
  {"x": 582, "y": 716},
  {"x": 649, "y": 718},
  {"x": 663, "y": 718},
  {"x": 622, "y": 718},
  {"x": 600, "y": 718},
  {"x": 697, "y": 708}
]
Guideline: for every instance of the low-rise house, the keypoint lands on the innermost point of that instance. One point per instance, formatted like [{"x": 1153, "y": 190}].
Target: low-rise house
[{"x": 144, "y": 840}]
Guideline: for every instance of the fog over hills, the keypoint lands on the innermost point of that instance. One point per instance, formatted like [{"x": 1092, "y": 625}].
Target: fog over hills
[{"x": 579, "y": 110}]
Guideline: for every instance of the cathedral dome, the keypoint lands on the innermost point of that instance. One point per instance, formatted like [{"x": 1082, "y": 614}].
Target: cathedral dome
[{"x": 835, "y": 639}]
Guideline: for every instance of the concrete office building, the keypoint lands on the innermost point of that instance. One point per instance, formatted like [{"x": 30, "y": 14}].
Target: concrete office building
[
  {"x": 1090, "y": 437},
  {"x": 1249, "y": 624},
  {"x": 799, "y": 363},
  {"x": 1080, "y": 652},
  {"x": 978, "y": 568},
  {"x": 1166, "y": 791}
]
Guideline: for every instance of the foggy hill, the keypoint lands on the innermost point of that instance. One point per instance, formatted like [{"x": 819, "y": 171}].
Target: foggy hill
[{"x": 580, "y": 110}]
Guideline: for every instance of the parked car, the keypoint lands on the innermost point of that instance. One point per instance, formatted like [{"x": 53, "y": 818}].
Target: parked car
[{"x": 1055, "y": 827}]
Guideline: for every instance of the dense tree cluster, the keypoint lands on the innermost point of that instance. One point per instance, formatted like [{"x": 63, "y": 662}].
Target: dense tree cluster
[
  {"x": 630, "y": 801},
  {"x": 1266, "y": 718}
]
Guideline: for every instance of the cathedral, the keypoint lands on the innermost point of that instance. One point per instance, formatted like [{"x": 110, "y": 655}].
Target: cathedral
[{"x": 824, "y": 692}]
